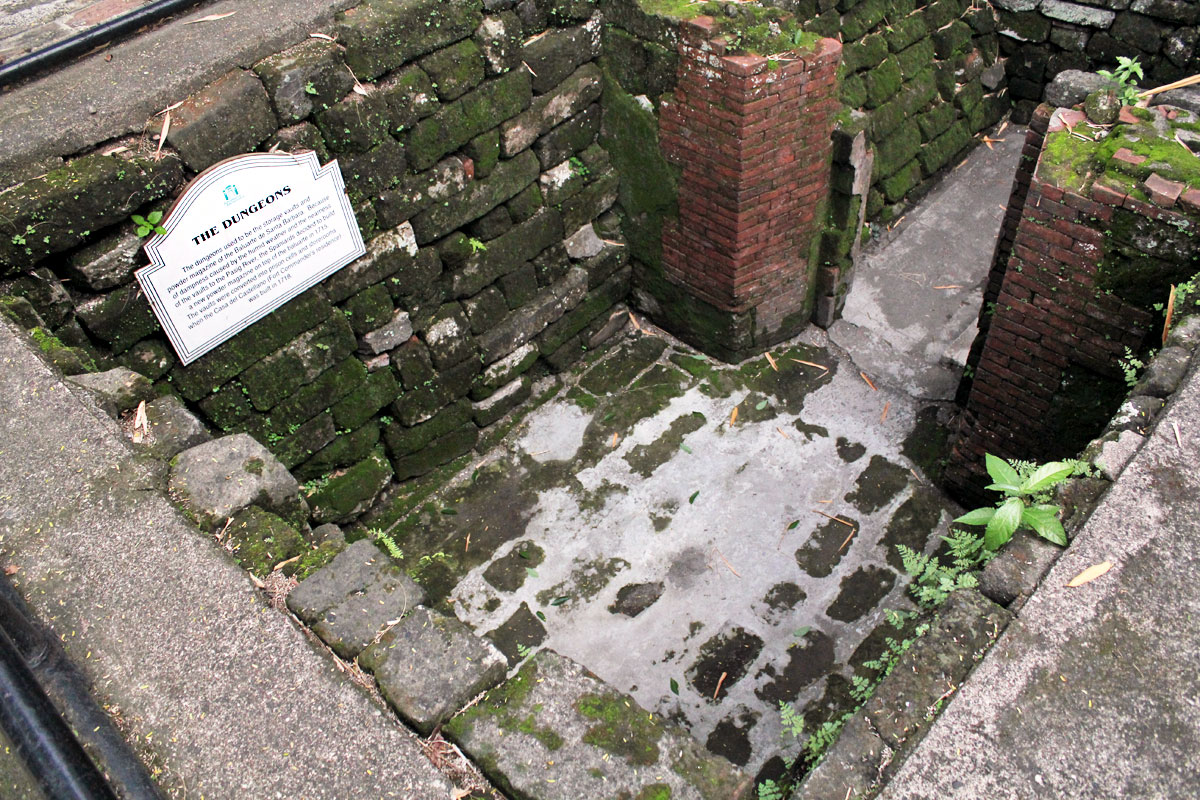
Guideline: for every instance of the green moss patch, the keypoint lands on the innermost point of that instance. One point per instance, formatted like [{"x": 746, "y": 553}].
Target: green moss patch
[{"x": 622, "y": 729}]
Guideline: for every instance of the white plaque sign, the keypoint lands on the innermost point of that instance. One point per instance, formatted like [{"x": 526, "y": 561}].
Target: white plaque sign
[{"x": 246, "y": 236}]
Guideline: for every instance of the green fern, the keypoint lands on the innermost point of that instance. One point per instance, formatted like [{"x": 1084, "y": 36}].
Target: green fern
[{"x": 792, "y": 720}]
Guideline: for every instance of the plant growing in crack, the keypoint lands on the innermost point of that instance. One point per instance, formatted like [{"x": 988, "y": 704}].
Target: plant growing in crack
[
  {"x": 1021, "y": 507},
  {"x": 1128, "y": 69},
  {"x": 148, "y": 224}
]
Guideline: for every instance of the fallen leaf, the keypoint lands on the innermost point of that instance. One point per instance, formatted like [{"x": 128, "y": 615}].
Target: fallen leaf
[
  {"x": 209, "y": 18},
  {"x": 685, "y": 448},
  {"x": 11, "y": 569},
  {"x": 324, "y": 36},
  {"x": 771, "y": 361},
  {"x": 868, "y": 380},
  {"x": 761, "y": 405},
  {"x": 558, "y": 601},
  {"x": 692, "y": 499},
  {"x": 883, "y": 416},
  {"x": 674, "y": 686},
  {"x": 781, "y": 433},
  {"x": 613, "y": 443},
  {"x": 162, "y": 135},
  {"x": 1090, "y": 574},
  {"x": 949, "y": 286},
  {"x": 795, "y": 522},
  {"x": 811, "y": 364},
  {"x": 733, "y": 415}
]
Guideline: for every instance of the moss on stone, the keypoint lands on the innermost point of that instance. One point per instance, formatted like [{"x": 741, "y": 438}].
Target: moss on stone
[{"x": 622, "y": 728}]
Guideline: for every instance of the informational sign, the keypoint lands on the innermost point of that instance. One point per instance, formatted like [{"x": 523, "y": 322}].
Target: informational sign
[{"x": 245, "y": 237}]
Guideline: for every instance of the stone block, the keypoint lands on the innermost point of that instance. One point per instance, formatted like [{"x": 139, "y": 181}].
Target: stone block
[
  {"x": 1018, "y": 568},
  {"x": 346, "y": 496},
  {"x": 554, "y": 56},
  {"x": 485, "y": 309},
  {"x": 119, "y": 318},
  {"x": 1077, "y": 14},
  {"x": 386, "y": 254},
  {"x": 356, "y": 569},
  {"x": 173, "y": 428},
  {"x": 328, "y": 388},
  {"x": 200, "y": 128},
  {"x": 430, "y": 665},
  {"x": 258, "y": 540},
  {"x": 388, "y": 336},
  {"x": 376, "y": 171},
  {"x": 343, "y": 451},
  {"x": 43, "y": 289},
  {"x": 440, "y": 451},
  {"x": 572, "y": 95},
  {"x": 449, "y": 337},
  {"x": 523, "y": 324},
  {"x": 404, "y": 440},
  {"x": 301, "y": 78},
  {"x": 454, "y": 70},
  {"x": 352, "y": 623},
  {"x": 966, "y": 624},
  {"x": 457, "y": 123},
  {"x": 223, "y": 362},
  {"x": 507, "y": 253},
  {"x": 117, "y": 390},
  {"x": 368, "y": 309},
  {"x": 851, "y": 765},
  {"x": 499, "y": 40},
  {"x": 487, "y": 411},
  {"x": 586, "y": 739},
  {"x": 506, "y": 181},
  {"x": 109, "y": 262},
  {"x": 380, "y": 35},
  {"x": 504, "y": 371},
  {"x": 569, "y": 138},
  {"x": 217, "y": 479},
  {"x": 298, "y": 363},
  {"x": 46, "y": 215}
]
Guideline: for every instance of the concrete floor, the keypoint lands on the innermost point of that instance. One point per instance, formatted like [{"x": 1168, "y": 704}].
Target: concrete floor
[{"x": 631, "y": 526}]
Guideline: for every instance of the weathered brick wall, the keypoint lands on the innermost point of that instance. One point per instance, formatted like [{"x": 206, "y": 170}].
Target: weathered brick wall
[
  {"x": 466, "y": 133},
  {"x": 920, "y": 81},
  {"x": 752, "y": 140},
  {"x": 1041, "y": 38},
  {"x": 1102, "y": 238}
]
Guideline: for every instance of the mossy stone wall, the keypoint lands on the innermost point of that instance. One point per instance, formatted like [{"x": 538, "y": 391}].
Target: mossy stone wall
[{"x": 466, "y": 132}]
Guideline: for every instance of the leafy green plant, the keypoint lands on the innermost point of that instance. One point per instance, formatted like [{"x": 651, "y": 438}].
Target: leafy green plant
[
  {"x": 148, "y": 224},
  {"x": 1020, "y": 507},
  {"x": 309, "y": 88},
  {"x": 477, "y": 246},
  {"x": 1124, "y": 77}
]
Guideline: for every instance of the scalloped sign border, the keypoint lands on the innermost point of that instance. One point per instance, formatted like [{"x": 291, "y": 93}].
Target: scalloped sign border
[{"x": 247, "y": 235}]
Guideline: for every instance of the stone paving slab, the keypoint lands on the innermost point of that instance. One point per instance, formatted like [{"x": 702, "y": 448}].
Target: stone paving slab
[
  {"x": 1092, "y": 691},
  {"x": 555, "y": 732},
  {"x": 897, "y": 324},
  {"x": 219, "y": 693}
]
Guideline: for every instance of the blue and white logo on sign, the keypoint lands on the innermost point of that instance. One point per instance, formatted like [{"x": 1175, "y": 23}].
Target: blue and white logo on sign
[{"x": 231, "y": 194}]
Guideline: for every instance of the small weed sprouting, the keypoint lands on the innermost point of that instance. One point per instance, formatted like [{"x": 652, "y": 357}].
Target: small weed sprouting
[
  {"x": 388, "y": 542},
  {"x": 1124, "y": 77},
  {"x": 1021, "y": 507},
  {"x": 148, "y": 224},
  {"x": 1131, "y": 365},
  {"x": 934, "y": 581},
  {"x": 477, "y": 245}
]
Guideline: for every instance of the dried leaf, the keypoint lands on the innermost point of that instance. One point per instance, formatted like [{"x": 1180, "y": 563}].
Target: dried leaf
[
  {"x": 141, "y": 425},
  {"x": 1170, "y": 312},
  {"x": 883, "y": 416},
  {"x": 949, "y": 286},
  {"x": 361, "y": 89},
  {"x": 720, "y": 682},
  {"x": 811, "y": 364},
  {"x": 162, "y": 135},
  {"x": 209, "y": 18},
  {"x": 733, "y": 415},
  {"x": 771, "y": 361},
  {"x": 1090, "y": 574},
  {"x": 868, "y": 380},
  {"x": 782, "y": 433},
  {"x": 613, "y": 443},
  {"x": 11, "y": 569},
  {"x": 324, "y": 36}
]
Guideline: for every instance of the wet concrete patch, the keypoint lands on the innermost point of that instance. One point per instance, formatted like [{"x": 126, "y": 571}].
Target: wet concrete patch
[
  {"x": 849, "y": 451},
  {"x": 636, "y": 598},
  {"x": 823, "y": 551},
  {"x": 723, "y": 660},
  {"x": 861, "y": 593},
  {"x": 646, "y": 458},
  {"x": 782, "y": 598},
  {"x": 731, "y": 737},
  {"x": 912, "y": 522},
  {"x": 509, "y": 572},
  {"x": 808, "y": 660},
  {"x": 881, "y": 481},
  {"x": 518, "y": 635},
  {"x": 617, "y": 370}
]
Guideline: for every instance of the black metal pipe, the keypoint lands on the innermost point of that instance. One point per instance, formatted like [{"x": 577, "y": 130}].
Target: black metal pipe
[
  {"x": 42, "y": 740},
  {"x": 52, "y": 697},
  {"x": 90, "y": 39}
]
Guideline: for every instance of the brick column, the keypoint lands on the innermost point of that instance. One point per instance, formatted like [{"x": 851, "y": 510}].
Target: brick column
[
  {"x": 1049, "y": 314},
  {"x": 752, "y": 139}
]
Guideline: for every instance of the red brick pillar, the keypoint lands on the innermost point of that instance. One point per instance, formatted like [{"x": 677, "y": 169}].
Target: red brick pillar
[{"x": 752, "y": 137}]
